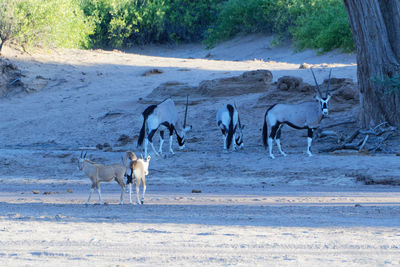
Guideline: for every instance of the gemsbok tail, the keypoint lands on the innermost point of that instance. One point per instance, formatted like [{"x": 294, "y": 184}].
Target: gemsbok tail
[
  {"x": 265, "y": 130},
  {"x": 146, "y": 113},
  {"x": 230, "y": 128},
  {"x": 142, "y": 132}
]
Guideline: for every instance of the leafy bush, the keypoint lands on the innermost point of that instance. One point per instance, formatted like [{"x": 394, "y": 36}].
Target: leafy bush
[
  {"x": 237, "y": 16},
  {"x": 319, "y": 24},
  {"x": 120, "y": 23},
  {"x": 8, "y": 22},
  {"x": 324, "y": 26},
  {"x": 58, "y": 23}
]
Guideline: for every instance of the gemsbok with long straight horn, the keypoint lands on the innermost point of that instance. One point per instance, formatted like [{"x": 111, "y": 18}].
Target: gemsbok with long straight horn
[
  {"x": 228, "y": 121},
  {"x": 99, "y": 173},
  {"x": 307, "y": 115},
  {"x": 164, "y": 117}
]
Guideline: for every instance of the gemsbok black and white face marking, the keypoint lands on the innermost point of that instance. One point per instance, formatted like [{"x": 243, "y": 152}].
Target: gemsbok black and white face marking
[
  {"x": 228, "y": 121},
  {"x": 162, "y": 117},
  {"x": 307, "y": 115},
  {"x": 323, "y": 100}
]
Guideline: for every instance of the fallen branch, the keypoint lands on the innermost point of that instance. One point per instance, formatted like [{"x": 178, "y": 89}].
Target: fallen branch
[{"x": 381, "y": 133}]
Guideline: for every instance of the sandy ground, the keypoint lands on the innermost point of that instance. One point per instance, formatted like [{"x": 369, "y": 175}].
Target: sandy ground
[{"x": 252, "y": 210}]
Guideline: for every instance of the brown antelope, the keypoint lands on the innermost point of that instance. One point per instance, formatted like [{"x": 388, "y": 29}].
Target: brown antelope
[
  {"x": 139, "y": 169},
  {"x": 99, "y": 173}
]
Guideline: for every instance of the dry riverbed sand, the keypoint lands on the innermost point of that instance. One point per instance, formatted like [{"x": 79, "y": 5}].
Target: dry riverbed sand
[{"x": 250, "y": 210}]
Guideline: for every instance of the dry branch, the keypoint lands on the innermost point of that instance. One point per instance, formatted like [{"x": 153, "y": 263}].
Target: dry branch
[{"x": 377, "y": 136}]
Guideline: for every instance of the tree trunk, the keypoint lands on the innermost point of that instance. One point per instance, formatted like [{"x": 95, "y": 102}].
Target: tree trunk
[{"x": 376, "y": 32}]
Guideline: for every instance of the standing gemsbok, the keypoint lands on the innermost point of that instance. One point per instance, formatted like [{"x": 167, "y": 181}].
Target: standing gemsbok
[
  {"x": 307, "y": 115},
  {"x": 164, "y": 117},
  {"x": 228, "y": 121}
]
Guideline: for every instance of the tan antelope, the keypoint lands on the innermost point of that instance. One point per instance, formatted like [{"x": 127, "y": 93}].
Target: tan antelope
[
  {"x": 139, "y": 169},
  {"x": 99, "y": 173},
  {"x": 306, "y": 115}
]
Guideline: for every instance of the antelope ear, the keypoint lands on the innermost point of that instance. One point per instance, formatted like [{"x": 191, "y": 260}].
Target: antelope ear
[
  {"x": 242, "y": 127},
  {"x": 317, "y": 97},
  {"x": 328, "y": 97}
]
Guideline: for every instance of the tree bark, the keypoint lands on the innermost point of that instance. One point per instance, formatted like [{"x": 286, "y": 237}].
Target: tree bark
[{"x": 376, "y": 32}]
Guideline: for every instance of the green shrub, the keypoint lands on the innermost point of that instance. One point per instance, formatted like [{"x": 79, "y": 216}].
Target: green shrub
[
  {"x": 120, "y": 23},
  {"x": 236, "y": 17},
  {"x": 58, "y": 23},
  {"x": 323, "y": 26},
  {"x": 318, "y": 24}
]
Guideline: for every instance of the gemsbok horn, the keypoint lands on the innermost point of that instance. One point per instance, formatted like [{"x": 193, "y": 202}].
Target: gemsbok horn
[
  {"x": 306, "y": 115},
  {"x": 228, "y": 121},
  {"x": 164, "y": 117}
]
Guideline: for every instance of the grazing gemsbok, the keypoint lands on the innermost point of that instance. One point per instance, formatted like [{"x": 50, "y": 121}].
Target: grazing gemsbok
[
  {"x": 99, "y": 173},
  {"x": 139, "y": 169},
  {"x": 165, "y": 117},
  {"x": 307, "y": 115},
  {"x": 228, "y": 121}
]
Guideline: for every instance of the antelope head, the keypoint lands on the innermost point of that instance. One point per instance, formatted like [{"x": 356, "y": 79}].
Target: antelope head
[
  {"x": 81, "y": 160},
  {"x": 323, "y": 100}
]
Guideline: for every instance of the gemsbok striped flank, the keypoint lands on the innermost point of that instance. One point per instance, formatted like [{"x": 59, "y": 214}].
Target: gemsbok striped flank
[
  {"x": 228, "y": 121},
  {"x": 307, "y": 115}
]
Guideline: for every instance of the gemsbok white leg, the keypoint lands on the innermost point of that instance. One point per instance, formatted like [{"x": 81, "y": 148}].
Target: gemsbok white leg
[
  {"x": 161, "y": 142},
  {"x": 170, "y": 145},
  {"x": 278, "y": 143},
  {"x": 270, "y": 143},
  {"x": 309, "y": 141},
  {"x": 146, "y": 142},
  {"x": 224, "y": 139}
]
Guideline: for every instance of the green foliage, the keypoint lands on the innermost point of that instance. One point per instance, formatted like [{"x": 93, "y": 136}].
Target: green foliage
[
  {"x": 319, "y": 24},
  {"x": 120, "y": 23},
  {"x": 391, "y": 85},
  {"x": 8, "y": 23},
  {"x": 237, "y": 16},
  {"x": 58, "y": 23},
  {"x": 324, "y": 26}
]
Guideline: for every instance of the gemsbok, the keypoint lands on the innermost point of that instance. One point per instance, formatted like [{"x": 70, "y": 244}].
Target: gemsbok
[
  {"x": 306, "y": 115},
  {"x": 139, "y": 169},
  {"x": 228, "y": 121},
  {"x": 164, "y": 117},
  {"x": 99, "y": 173}
]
